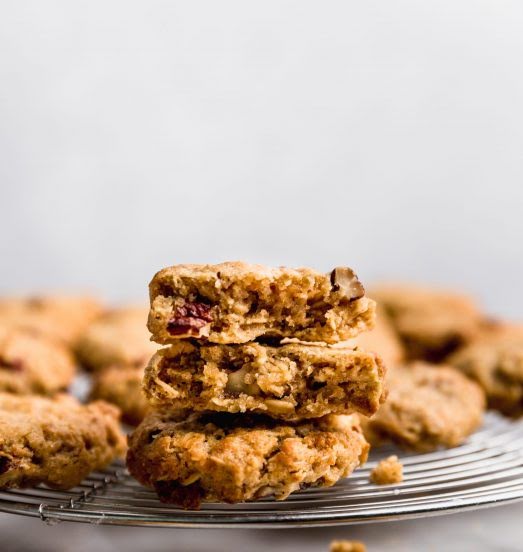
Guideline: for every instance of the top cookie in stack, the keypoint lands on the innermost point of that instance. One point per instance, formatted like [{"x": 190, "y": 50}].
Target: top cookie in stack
[
  {"x": 237, "y": 302},
  {"x": 254, "y": 395}
]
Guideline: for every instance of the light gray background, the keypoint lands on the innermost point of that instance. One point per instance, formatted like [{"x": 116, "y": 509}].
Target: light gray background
[
  {"x": 387, "y": 135},
  {"x": 383, "y": 134}
]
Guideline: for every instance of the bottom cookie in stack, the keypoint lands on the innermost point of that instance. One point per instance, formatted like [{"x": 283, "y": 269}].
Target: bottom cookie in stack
[{"x": 189, "y": 458}]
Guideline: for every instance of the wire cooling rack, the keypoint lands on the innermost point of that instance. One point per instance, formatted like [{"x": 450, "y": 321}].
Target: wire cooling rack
[{"x": 486, "y": 470}]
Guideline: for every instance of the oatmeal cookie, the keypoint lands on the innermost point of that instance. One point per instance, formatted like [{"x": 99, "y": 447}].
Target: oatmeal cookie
[
  {"x": 237, "y": 302},
  {"x": 288, "y": 382},
  {"x": 55, "y": 441},
  {"x": 122, "y": 386},
  {"x": 427, "y": 407},
  {"x": 119, "y": 338},
  {"x": 495, "y": 361},
  {"x": 32, "y": 363},
  {"x": 431, "y": 323},
  {"x": 193, "y": 458},
  {"x": 60, "y": 317}
]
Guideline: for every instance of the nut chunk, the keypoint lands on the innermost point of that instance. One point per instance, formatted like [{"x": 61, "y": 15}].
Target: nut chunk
[
  {"x": 237, "y": 302},
  {"x": 55, "y": 441},
  {"x": 387, "y": 472},
  {"x": 192, "y": 458},
  {"x": 288, "y": 382}
]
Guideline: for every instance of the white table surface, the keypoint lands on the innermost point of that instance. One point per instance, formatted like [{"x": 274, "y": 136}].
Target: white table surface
[{"x": 490, "y": 530}]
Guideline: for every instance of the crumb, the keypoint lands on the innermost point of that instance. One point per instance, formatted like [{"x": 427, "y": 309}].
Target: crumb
[
  {"x": 347, "y": 546},
  {"x": 387, "y": 471}
]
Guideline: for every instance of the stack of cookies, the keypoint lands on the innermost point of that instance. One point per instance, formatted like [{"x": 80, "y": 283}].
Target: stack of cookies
[{"x": 255, "y": 394}]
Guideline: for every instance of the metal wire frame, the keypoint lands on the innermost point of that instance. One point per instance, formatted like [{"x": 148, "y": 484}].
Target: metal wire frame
[{"x": 486, "y": 470}]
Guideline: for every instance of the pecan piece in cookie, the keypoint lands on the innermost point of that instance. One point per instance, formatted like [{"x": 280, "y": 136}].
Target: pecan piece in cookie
[{"x": 345, "y": 280}]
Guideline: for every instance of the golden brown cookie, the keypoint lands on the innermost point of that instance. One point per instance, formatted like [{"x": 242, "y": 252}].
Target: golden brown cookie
[
  {"x": 55, "y": 441},
  {"x": 33, "y": 363},
  {"x": 427, "y": 407},
  {"x": 60, "y": 317},
  {"x": 495, "y": 360},
  {"x": 288, "y": 382},
  {"x": 119, "y": 338},
  {"x": 237, "y": 302},
  {"x": 193, "y": 458},
  {"x": 431, "y": 323},
  {"x": 122, "y": 386}
]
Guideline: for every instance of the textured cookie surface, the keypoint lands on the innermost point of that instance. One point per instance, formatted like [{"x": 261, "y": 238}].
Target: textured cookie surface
[
  {"x": 431, "y": 323},
  {"x": 33, "y": 363},
  {"x": 119, "y": 338},
  {"x": 288, "y": 382},
  {"x": 55, "y": 441},
  {"x": 122, "y": 386},
  {"x": 60, "y": 317},
  {"x": 427, "y": 406},
  {"x": 237, "y": 302},
  {"x": 495, "y": 361},
  {"x": 190, "y": 458}
]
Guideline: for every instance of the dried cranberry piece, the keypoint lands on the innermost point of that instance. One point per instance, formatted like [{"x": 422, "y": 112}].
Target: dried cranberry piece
[
  {"x": 13, "y": 365},
  {"x": 189, "y": 318}
]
